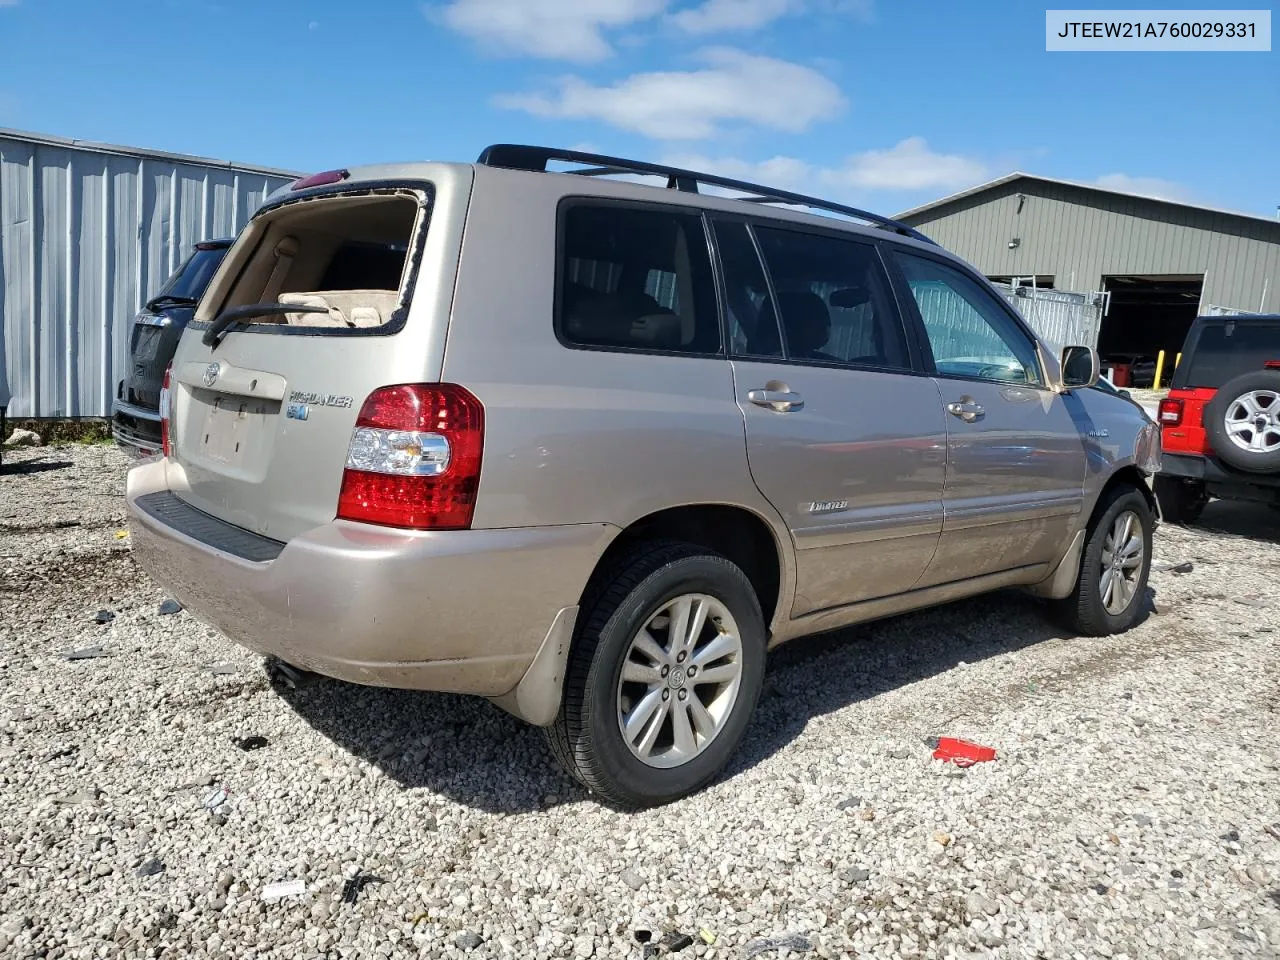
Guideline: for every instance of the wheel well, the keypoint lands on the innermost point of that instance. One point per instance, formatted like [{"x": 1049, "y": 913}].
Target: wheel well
[
  {"x": 1131, "y": 476},
  {"x": 734, "y": 533}
]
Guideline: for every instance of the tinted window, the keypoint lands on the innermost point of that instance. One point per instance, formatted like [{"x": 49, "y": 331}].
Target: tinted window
[
  {"x": 636, "y": 278},
  {"x": 753, "y": 330},
  {"x": 190, "y": 279},
  {"x": 1226, "y": 349},
  {"x": 969, "y": 331},
  {"x": 833, "y": 298}
]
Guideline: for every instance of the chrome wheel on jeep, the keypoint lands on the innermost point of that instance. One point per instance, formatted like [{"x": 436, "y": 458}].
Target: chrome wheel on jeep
[
  {"x": 1253, "y": 421},
  {"x": 1242, "y": 422},
  {"x": 680, "y": 679}
]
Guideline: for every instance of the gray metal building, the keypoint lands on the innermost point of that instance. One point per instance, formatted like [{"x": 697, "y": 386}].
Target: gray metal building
[
  {"x": 87, "y": 232},
  {"x": 1158, "y": 262}
]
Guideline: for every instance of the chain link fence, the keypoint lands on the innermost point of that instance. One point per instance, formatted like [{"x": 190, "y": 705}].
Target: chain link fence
[{"x": 1060, "y": 317}]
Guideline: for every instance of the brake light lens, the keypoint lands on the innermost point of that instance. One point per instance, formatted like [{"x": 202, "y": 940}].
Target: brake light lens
[
  {"x": 319, "y": 179},
  {"x": 166, "y": 396},
  {"x": 1272, "y": 364},
  {"x": 414, "y": 458},
  {"x": 1171, "y": 412}
]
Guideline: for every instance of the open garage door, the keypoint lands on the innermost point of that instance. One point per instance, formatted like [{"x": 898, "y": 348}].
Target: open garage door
[{"x": 1147, "y": 314}]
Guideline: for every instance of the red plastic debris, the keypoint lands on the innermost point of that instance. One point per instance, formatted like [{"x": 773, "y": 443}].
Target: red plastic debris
[{"x": 961, "y": 752}]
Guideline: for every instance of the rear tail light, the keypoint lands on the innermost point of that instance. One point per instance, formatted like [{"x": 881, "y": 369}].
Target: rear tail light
[
  {"x": 1170, "y": 412},
  {"x": 414, "y": 458},
  {"x": 1272, "y": 364},
  {"x": 166, "y": 398}
]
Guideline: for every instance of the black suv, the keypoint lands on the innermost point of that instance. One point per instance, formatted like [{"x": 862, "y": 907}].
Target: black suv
[{"x": 135, "y": 414}]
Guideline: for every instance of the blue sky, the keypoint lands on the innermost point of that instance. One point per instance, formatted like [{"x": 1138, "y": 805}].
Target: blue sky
[{"x": 886, "y": 103}]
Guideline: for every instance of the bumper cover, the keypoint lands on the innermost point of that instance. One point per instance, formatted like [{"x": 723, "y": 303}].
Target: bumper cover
[
  {"x": 1218, "y": 477},
  {"x": 135, "y": 429},
  {"x": 461, "y": 611}
]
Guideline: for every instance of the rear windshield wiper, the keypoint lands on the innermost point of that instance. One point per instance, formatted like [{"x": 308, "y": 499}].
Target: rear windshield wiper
[
  {"x": 217, "y": 330},
  {"x": 171, "y": 299}
]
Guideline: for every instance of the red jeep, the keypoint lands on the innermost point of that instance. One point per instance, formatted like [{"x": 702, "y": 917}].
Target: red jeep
[{"x": 1221, "y": 420}]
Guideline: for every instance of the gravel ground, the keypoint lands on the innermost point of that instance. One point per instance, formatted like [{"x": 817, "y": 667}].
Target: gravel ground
[{"x": 1127, "y": 814}]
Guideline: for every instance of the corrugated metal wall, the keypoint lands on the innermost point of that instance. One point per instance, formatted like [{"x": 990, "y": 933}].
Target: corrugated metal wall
[
  {"x": 1078, "y": 236},
  {"x": 87, "y": 233}
]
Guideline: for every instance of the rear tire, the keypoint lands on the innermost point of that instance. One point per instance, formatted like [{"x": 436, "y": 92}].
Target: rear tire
[
  {"x": 1181, "y": 501},
  {"x": 678, "y": 746},
  {"x": 1111, "y": 590}
]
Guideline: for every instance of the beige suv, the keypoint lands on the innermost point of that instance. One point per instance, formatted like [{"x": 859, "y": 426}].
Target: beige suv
[{"x": 590, "y": 447}]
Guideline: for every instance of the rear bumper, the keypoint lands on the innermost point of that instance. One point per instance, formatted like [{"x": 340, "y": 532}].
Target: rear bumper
[
  {"x": 1221, "y": 481},
  {"x": 459, "y": 611},
  {"x": 135, "y": 429}
]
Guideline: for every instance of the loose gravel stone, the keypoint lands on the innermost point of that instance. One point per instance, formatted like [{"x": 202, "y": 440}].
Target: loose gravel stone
[
  {"x": 976, "y": 904},
  {"x": 150, "y": 868},
  {"x": 467, "y": 940},
  {"x": 1124, "y": 765}
]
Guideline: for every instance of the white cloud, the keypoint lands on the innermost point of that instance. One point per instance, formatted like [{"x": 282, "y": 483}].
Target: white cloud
[
  {"x": 552, "y": 29},
  {"x": 910, "y": 165},
  {"x": 783, "y": 172},
  {"x": 1145, "y": 186},
  {"x": 8, "y": 3},
  {"x": 860, "y": 176},
  {"x": 711, "y": 16},
  {"x": 717, "y": 15},
  {"x": 734, "y": 88}
]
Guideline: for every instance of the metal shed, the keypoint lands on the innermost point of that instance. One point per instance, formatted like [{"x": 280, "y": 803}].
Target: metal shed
[
  {"x": 87, "y": 232},
  {"x": 1159, "y": 262}
]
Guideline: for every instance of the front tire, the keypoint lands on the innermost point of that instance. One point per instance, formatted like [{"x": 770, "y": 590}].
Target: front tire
[
  {"x": 663, "y": 676},
  {"x": 1181, "y": 501},
  {"x": 1111, "y": 588}
]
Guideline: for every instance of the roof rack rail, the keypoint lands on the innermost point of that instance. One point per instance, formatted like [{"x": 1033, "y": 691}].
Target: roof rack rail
[{"x": 515, "y": 156}]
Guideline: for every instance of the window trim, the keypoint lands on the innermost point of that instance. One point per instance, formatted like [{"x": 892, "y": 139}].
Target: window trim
[
  {"x": 914, "y": 355},
  {"x": 722, "y": 288},
  {"x": 567, "y": 203},
  {"x": 899, "y": 279}
]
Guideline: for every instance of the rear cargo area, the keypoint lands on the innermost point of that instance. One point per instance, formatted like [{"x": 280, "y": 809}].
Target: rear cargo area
[{"x": 262, "y": 416}]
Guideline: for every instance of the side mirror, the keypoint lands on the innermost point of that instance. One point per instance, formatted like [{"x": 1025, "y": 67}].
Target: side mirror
[{"x": 1080, "y": 367}]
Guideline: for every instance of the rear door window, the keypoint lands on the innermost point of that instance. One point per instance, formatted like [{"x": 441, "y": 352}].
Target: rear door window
[
  {"x": 1227, "y": 348},
  {"x": 636, "y": 278},
  {"x": 833, "y": 300}
]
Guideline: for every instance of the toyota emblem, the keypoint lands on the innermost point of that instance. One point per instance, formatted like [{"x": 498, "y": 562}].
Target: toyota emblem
[{"x": 210, "y": 374}]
